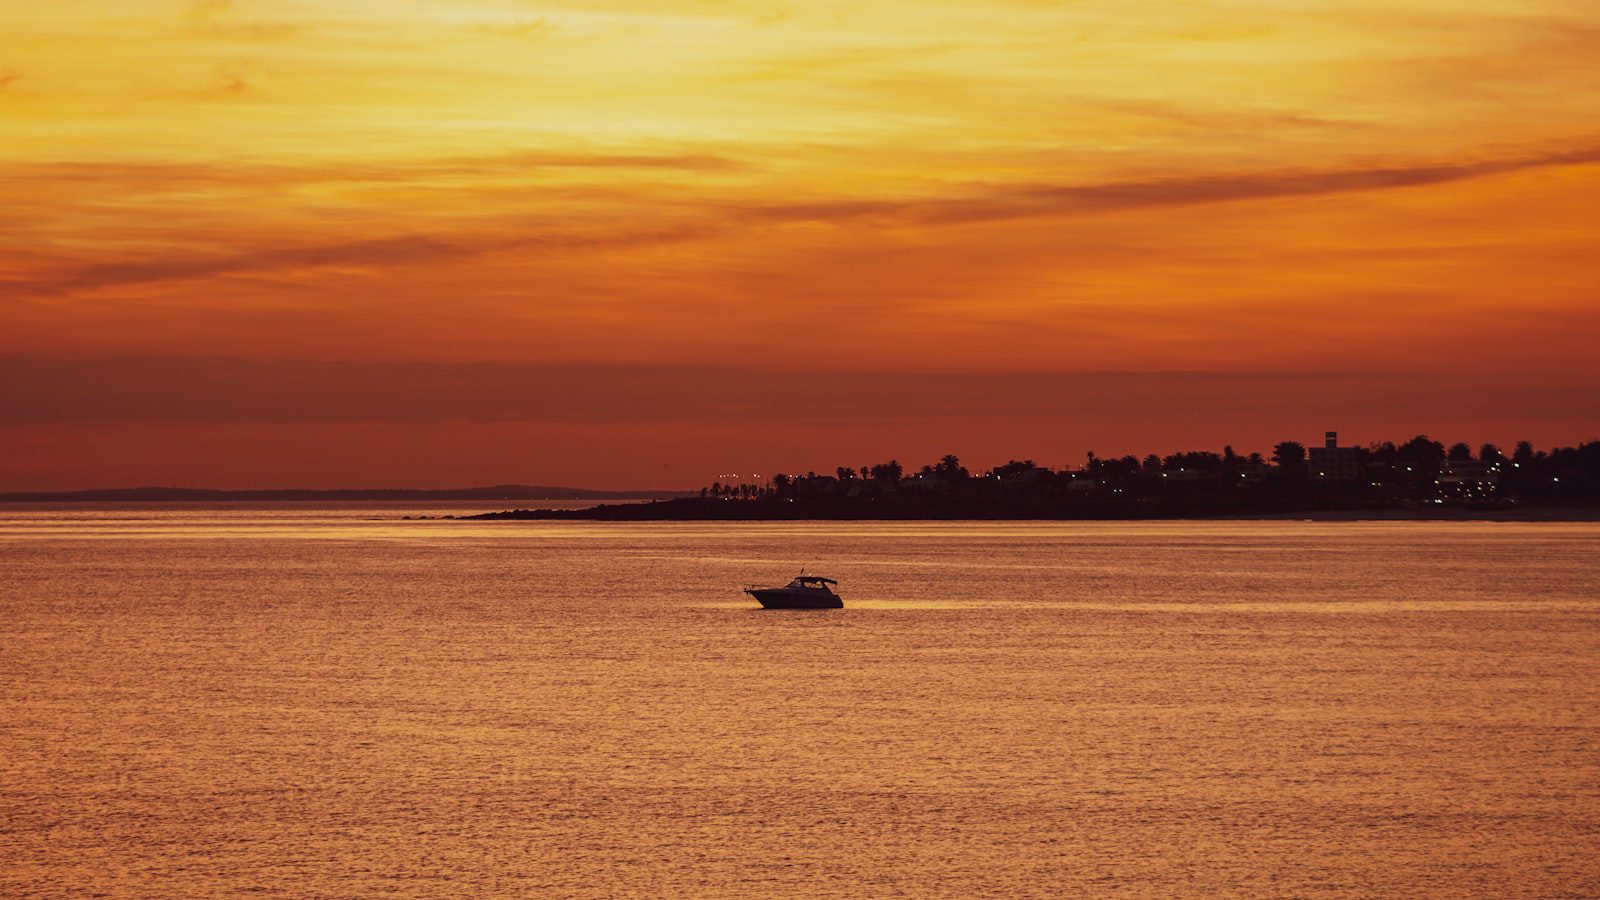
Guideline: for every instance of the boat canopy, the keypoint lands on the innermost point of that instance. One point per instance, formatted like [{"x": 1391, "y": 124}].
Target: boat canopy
[{"x": 814, "y": 579}]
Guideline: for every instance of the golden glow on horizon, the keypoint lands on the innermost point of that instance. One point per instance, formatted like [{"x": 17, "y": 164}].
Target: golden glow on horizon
[{"x": 1248, "y": 186}]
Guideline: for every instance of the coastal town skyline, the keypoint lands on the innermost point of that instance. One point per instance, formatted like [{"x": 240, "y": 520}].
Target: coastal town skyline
[
  {"x": 1459, "y": 471},
  {"x": 648, "y": 477}
]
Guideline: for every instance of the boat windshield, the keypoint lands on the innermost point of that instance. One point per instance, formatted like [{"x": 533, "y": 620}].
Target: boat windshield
[{"x": 812, "y": 583}]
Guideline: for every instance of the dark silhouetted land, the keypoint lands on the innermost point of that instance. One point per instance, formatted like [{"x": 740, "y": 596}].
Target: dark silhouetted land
[{"x": 1420, "y": 478}]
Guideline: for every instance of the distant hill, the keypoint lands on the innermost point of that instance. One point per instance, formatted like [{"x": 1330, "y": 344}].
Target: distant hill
[{"x": 184, "y": 495}]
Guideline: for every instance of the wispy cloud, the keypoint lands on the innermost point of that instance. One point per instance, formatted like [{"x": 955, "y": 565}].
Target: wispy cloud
[
  {"x": 679, "y": 223},
  {"x": 1012, "y": 202},
  {"x": 141, "y": 175},
  {"x": 408, "y": 250}
]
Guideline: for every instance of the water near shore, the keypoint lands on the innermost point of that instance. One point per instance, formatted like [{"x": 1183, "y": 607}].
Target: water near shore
[{"x": 341, "y": 703}]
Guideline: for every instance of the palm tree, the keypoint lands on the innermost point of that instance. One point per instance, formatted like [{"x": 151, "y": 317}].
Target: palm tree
[{"x": 951, "y": 469}]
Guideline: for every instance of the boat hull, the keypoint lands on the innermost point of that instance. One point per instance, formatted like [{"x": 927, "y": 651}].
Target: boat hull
[{"x": 781, "y": 598}]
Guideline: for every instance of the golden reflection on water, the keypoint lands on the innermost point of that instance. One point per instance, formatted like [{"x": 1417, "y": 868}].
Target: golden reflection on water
[{"x": 340, "y": 703}]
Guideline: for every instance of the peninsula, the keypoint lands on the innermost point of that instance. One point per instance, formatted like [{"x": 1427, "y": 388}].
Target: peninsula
[{"x": 1418, "y": 478}]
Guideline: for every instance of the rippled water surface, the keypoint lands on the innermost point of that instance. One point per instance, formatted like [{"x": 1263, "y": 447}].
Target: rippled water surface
[{"x": 338, "y": 702}]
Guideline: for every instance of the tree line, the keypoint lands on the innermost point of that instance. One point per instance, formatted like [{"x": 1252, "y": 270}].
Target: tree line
[{"x": 1420, "y": 470}]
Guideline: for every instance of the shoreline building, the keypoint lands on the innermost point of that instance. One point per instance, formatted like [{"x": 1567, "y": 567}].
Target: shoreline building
[
  {"x": 1469, "y": 479},
  {"x": 1331, "y": 462}
]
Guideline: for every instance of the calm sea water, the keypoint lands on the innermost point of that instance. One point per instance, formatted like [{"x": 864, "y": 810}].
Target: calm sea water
[{"x": 336, "y": 702}]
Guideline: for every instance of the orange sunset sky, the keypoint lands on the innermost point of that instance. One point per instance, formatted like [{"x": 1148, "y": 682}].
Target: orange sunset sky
[{"x": 618, "y": 244}]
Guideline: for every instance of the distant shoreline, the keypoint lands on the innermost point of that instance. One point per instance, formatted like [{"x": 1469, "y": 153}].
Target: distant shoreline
[
  {"x": 1527, "y": 514},
  {"x": 695, "y": 510},
  {"x": 502, "y": 492}
]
